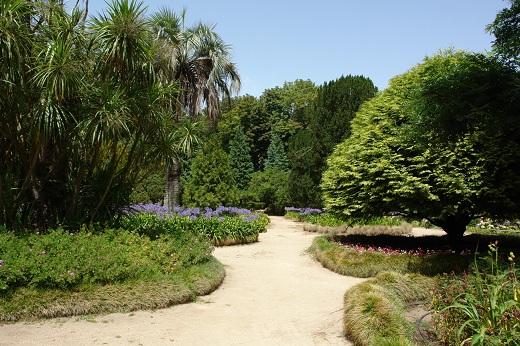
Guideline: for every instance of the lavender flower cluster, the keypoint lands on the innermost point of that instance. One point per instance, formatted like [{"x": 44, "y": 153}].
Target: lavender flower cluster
[
  {"x": 304, "y": 211},
  {"x": 193, "y": 213}
]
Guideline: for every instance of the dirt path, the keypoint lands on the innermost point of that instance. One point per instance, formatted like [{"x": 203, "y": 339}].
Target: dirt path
[{"x": 274, "y": 294}]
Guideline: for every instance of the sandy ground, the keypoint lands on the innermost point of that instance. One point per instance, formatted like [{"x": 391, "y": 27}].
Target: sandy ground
[{"x": 274, "y": 294}]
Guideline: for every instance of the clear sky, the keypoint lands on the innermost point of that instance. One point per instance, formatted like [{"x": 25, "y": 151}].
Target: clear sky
[{"x": 274, "y": 41}]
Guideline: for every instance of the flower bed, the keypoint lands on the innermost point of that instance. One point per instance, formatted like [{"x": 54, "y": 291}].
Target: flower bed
[{"x": 222, "y": 226}]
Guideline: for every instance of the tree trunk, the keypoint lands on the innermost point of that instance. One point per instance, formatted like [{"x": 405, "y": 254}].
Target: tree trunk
[
  {"x": 172, "y": 189},
  {"x": 454, "y": 226}
]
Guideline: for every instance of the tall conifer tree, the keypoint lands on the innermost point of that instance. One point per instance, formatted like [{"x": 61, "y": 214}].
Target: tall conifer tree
[
  {"x": 240, "y": 160},
  {"x": 276, "y": 156}
]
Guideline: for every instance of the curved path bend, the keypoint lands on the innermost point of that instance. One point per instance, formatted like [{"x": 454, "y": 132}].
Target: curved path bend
[{"x": 274, "y": 293}]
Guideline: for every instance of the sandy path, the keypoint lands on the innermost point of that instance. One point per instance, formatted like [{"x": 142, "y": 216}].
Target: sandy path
[{"x": 274, "y": 294}]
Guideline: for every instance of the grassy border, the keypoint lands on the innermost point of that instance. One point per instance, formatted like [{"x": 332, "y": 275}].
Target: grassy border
[
  {"x": 236, "y": 241},
  {"x": 374, "y": 310},
  {"x": 29, "y": 304},
  {"x": 369, "y": 264}
]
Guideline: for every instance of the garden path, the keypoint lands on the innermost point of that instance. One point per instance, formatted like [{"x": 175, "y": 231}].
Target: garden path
[{"x": 274, "y": 293}]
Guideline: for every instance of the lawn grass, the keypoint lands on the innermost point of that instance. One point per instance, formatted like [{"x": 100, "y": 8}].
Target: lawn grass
[{"x": 155, "y": 292}]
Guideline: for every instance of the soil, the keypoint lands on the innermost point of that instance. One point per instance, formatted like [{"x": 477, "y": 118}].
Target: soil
[{"x": 274, "y": 293}]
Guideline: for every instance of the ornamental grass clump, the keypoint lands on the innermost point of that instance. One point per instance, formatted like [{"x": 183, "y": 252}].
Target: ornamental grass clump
[
  {"x": 374, "y": 309},
  {"x": 480, "y": 307}
]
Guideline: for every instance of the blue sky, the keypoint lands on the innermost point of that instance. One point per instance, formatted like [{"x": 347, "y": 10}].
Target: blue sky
[{"x": 274, "y": 41}]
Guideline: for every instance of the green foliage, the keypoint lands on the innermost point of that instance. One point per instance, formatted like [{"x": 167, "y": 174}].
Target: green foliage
[
  {"x": 329, "y": 219},
  {"x": 329, "y": 117},
  {"x": 87, "y": 105},
  {"x": 211, "y": 180},
  {"x": 306, "y": 165},
  {"x": 276, "y": 156},
  {"x": 149, "y": 190},
  {"x": 146, "y": 293},
  {"x": 390, "y": 163},
  {"x": 268, "y": 190},
  {"x": 344, "y": 260},
  {"x": 480, "y": 307},
  {"x": 240, "y": 160},
  {"x": 64, "y": 260},
  {"x": 222, "y": 230},
  {"x": 278, "y": 111},
  {"x": 506, "y": 30}
]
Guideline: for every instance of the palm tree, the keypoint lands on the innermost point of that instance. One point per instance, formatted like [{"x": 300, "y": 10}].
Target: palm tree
[
  {"x": 129, "y": 113},
  {"x": 199, "y": 60}
]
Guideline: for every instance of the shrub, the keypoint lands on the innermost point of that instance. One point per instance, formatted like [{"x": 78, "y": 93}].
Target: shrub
[
  {"x": 150, "y": 190},
  {"x": 268, "y": 190}
]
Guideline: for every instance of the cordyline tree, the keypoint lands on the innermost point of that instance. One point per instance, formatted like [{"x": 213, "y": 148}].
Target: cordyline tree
[
  {"x": 442, "y": 142},
  {"x": 83, "y": 112}
]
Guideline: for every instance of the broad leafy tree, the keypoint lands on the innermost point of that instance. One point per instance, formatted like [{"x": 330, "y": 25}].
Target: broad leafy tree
[
  {"x": 506, "y": 29},
  {"x": 441, "y": 142}
]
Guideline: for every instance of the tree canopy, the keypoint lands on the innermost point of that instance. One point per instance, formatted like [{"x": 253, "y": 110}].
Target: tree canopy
[
  {"x": 328, "y": 120},
  {"x": 441, "y": 142},
  {"x": 506, "y": 29}
]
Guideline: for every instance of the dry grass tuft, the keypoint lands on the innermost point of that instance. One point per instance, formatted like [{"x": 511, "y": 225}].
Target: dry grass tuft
[{"x": 403, "y": 229}]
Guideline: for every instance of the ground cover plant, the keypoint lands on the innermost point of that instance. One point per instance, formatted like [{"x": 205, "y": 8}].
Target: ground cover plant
[
  {"x": 323, "y": 218},
  {"x": 318, "y": 221},
  {"x": 61, "y": 273},
  {"x": 369, "y": 256},
  {"x": 155, "y": 259}
]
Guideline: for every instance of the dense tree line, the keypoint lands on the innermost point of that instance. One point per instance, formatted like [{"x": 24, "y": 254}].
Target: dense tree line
[
  {"x": 278, "y": 142},
  {"x": 94, "y": 111}
]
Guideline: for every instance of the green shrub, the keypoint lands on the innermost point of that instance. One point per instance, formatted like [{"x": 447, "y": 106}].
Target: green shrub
[
  {"x": 268, "y": 190},
  {"x": 150, "y": 190}
]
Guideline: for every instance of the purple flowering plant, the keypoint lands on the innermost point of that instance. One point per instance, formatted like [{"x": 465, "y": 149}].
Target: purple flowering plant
[{"x": 223, "y": 225}]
